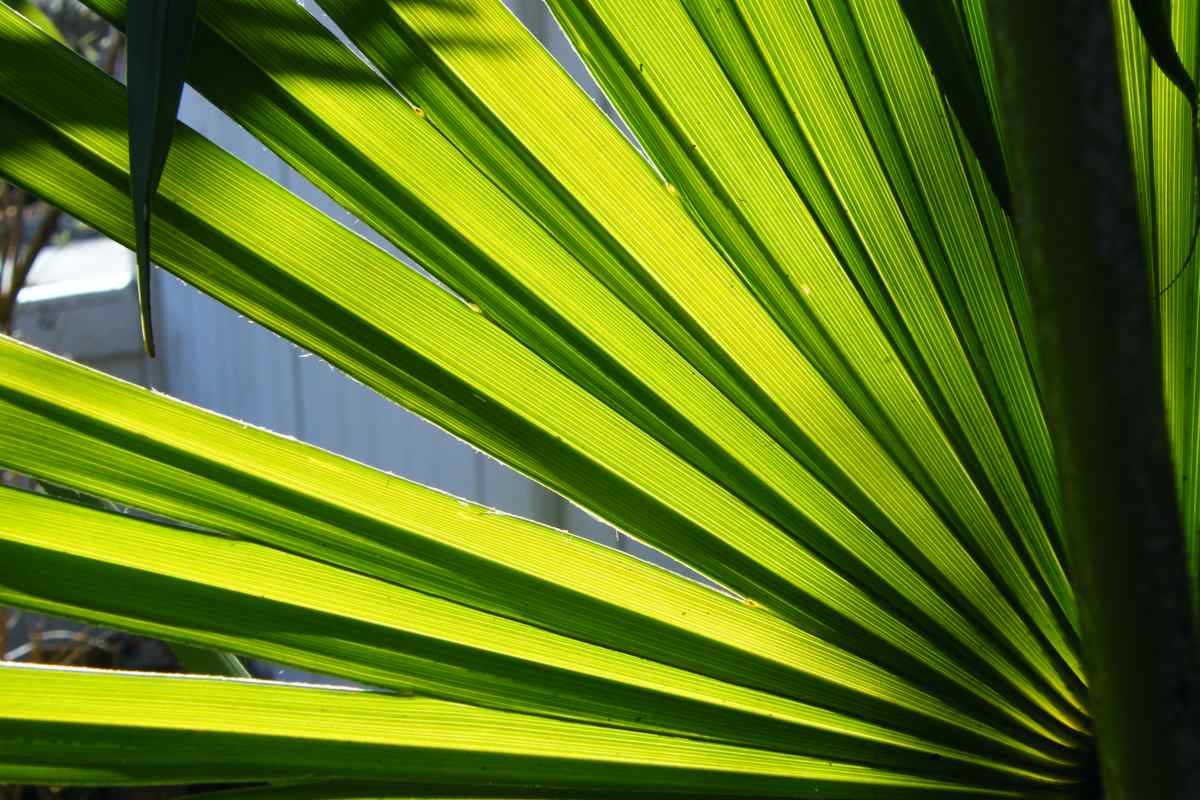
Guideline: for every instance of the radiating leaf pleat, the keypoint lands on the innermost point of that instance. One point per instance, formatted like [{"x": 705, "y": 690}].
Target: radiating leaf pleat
[
  {"x": 345, "y": 790},
  {"x": 369, "y": 295},
  {"x": 665, "y": 81},
  {"x": 250, "y": 730},
  {"x": 942, "y": 31},
  {"x": 1043, "y": 481},
  {"x": 444, "y": 107},
  {"x": 926, "y": 183},
  {"x": 838, "y": 177},
  {"x": 567, "y": 297},
  {"x": 1162, "y": 140},
  {"x": 220, "y": 475},
  {"x": 256, "y": 600},
  {"x": 765, "y": 476}
]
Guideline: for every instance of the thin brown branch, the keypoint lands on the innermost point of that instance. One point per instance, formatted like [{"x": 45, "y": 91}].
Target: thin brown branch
[
  {"x": 14, "y": 215},
  {"x": 114, "y": 53},
  {"x": 21, "y": 261},
  {"x": 41, "y": 237},
  {"x": 24, "y": 264},
  {"x": 35, "y": 642},
  {"x": 4, "y": 187}
]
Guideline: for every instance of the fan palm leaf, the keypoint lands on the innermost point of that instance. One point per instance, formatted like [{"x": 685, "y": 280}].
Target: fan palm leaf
[{"x": 787, "y": 338}]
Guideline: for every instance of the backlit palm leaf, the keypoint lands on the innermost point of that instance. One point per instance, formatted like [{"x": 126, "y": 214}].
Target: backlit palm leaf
[{"x": 791, "y": 345}]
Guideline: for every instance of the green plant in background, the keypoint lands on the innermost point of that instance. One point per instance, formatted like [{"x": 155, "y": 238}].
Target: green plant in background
[{"x": 796, "y": 348}]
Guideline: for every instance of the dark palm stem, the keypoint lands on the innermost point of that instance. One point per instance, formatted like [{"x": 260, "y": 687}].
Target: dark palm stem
[{"x": 1076, "y": 217}]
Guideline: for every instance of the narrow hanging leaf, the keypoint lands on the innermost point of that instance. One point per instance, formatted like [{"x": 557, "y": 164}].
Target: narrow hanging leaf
[
  {"x": 943, "y": 36},
  {"x": 159, "y": 37},
  {"x": 1154, "y": 18}
]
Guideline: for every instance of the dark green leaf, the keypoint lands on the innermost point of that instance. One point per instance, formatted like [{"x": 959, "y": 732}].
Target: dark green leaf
[
  {"x": 160, "y": 35},
  {"x": 943, "y": 36},
  {"x": 1154, "y": 18}
]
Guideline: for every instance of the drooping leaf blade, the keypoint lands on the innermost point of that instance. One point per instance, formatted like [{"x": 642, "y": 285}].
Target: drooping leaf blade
[
  {"x": 159, "y": 35},
  {"x": 1154, "y": 19},
  {"x": 943, "y": 35}
]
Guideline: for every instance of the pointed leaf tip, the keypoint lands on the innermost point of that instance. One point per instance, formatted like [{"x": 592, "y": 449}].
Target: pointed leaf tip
[
  {"x": 1154, "y": 19},
  {"x": 159, "y": 37},
  {"x": 943, "y": 38}
]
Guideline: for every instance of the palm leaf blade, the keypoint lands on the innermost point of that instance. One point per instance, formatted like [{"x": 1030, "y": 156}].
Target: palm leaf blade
[
  {"x": 786, "y": 336},
  {"x": 242, "y": 730},
  {"x": 749, "y": 530}
]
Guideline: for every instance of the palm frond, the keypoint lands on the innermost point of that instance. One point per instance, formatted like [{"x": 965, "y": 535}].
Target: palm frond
[{"x": 787, "y": 338}]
